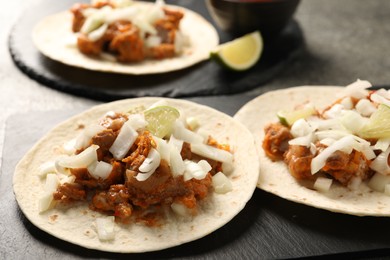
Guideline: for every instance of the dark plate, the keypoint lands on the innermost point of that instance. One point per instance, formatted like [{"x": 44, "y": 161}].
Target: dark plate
[
  {"x": 205, "y": 78},
  {"x": 268, "y": 227}
]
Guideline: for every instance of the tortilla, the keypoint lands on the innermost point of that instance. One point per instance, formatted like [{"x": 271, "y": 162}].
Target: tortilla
[
  {"x": 275, "y": 177},
  {"x": 75, "y": 224},
  {"x": 54, "y": 38}
]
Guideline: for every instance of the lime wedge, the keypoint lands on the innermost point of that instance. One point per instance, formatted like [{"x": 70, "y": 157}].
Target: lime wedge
[
  {"x": 160, "y": 120},
  {"x": 378, "y": 125},
  {"x": 288, "y": 118},
  {"x": 241, "y": 53}
]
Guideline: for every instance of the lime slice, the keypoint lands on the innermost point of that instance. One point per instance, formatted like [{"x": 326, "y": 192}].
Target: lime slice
[
  {"x": 288, "y": 118},
  {"x": 378, "y": 125},
  {"x": 160, "y": 120},
  {"x": 241, "y": 53}
]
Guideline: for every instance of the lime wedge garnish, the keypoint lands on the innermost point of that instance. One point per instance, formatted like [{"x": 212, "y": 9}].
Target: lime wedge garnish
[
  {"x": 378, "y": 125},
  {"x": 160, "y": 120},
  {"x": 241, "y": 53},
  {"x": 288, "y": 118}
]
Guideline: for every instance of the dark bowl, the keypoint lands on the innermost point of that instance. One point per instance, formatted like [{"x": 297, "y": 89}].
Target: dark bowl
[{"x": 243, "y": 16}]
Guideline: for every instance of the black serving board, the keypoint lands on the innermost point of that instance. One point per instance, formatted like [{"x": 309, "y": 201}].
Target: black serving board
[
  {"x": 267, "y": 228},
  {"x": 205, "y": 78}
]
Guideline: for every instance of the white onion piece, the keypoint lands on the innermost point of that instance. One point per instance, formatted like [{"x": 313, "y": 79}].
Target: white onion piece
[
  {"x": 180, "y": 209},
  {"x": 221, "y": 183},
  {"x": 100, "y": 169},
  {"x": 358, "y": 89},
  {"x": 302, "y": 140},
  {"x": 327, "y": 141},
  {"x": 378, "y": 182},
  {"x": 382, "y": 144},
  {"x": 153, "y": 41},
  {"x": 182, "y": 133},
  {"x": 177, "y": 143},
  {"x": 194, "y": 170},
  {"x": 137, "y": 121},
  {"x": 123, "y": 142},
  {"x": 380, "y": 163},
  {"x": 365, "y": 107},
  {"x": 343, "y": 144},
  {"x": 354, "y": 183},
  {"x": 149, "y": 165},
  {"x": 334, "y": 112},
  {"x": 126, "y": 13},
  {"x": 301, "y": 128},
  {"x": 227, "y": 168},
  {"x": 162, "y": 148},
  {"x": 106, "y": 228},
  {"x": 98, "y": 33},
  {"x": 322, "y": 184},
  {"x": 81, "y": 160},
  {"x": 46, "y": 200},
  {"x": 332, "y": 134},
  {"x": 353, "y": 121},
  {"x": 379, "y": 99},
  {"x": 69, "y": 147},
  {"x": 67, "y": 179},
  {"x": 205, "y": 165},
  {"x": 84, "y": 138},
  {"x": 347, "y": 103},
  {"x": 46, "y": 168},
  {"x": 192, "y": 122},
  {"x": 383, "y": 92},
  {"x": 96, "y": 19},
  {"x": 212, "y": 153},
  {"x": 176, "y": 161}
]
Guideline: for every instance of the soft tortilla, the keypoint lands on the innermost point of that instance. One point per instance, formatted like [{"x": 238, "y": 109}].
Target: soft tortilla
[
  {"x": 274, "y": 176},
  {"x": 53, "y": 37},
  {"x": 75, "y": 225}
]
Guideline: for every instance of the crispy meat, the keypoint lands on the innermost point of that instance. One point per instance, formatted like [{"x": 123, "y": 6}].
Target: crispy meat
[
  {"x": 69, "y": 192},
  {"x": 139, "y": 151},
  {"x": 129, "y": 45},
  {"x": 298, "y": 159},
  {"x": 89, "y": 47}
]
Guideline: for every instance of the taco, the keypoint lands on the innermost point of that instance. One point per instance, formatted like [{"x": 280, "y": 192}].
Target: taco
[
  {"x": 130, "y": 176},
  {"x": 324, "y": 146},
  {"x": 129, "y": 37}
]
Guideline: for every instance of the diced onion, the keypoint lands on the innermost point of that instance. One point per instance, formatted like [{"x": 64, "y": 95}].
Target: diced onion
[
  {"x": 334, "y": 112},
  {"x": 340, "y": 145},
  {"x": 100, "y": 169},
  {"x": 137, "y": 121},
  {"x": 180, "y": 209},
  {"x": 221, "y": 183},
  {"x": 352, "y": 121},
  {"x": 192, "y": 123},
  {"x": 46, "y": 200},
  {"x": 302, "y": 140},
  {"x": 46, "y": 168},
  {"x": 98, "y": 33},
  {"x": 358, "y": 89},
  {"x": 84, "y": 138},
  {"x": 380, "y": 99},
  {"x": 380, "y": 163},
  {"x": 81, "y": 160},
  {"x": 382, "y": 144},
  {"x": 176, "y": 161},
  {"x": 177, "y": 143},
  {"x": 322, "y": 184},
  {"x": 212, "y": 153},
  {"x": 347, "y": 103},
  {"x": 163, "y": 148},
  {"x": 153, "y": 41},
  {"x": 149, "y": 165},
  {"x": 378, "y": 182},
  {"x": 301, "y": 128},
  {"x": 196, "y": 170},
  {"x": 365, "y": 107},
  {"x": 106, "y": 228},
  {"x": 123, "y": 142},
  {"x": 69, "y": 147},
  {"x": 354, "y": 183},
  {"x": 182, "y": 133}
]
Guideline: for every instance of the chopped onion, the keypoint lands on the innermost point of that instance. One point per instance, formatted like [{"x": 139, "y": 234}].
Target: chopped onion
[
  {"x": 98, "y": 33},
  {"x": 153, "y": 41},
  {"x": 182, "y": 133},
  {"x": 51, "y": 184},
  {"x": 127, "y": 13},
  {"x": 149, "y": 165},
  {"x": 67, "y": 179},
  {"x": 379, "y": 99},
  {"x": 137, "y": 121},
  {"x": 347, "y": 103},
  {"x": 192, "y": 123},
  {"x": 106, "y": 228},
  {"x": 177, "y": 143},
  {"x": 162, "y": 148},
  {"x": 382, "y": 144},
  {"x": 212, "y": 153},
  {"x": 330, "y": 134},
  {"x": 100, "y": 169},
  {"x": 81, "y": 160},
  {"x": 358, "y": 89},
  {"x": 69, "y": 147},
  {"x": 353, "y": 121},
  {"x": 84, "y": 138},
  {"x": 180, "y": 209},
  {"x": 343, "y": 144},
  {"x": 322, "y": 184},
  {"x": 365, "y": 107},
  {"x": 354, "y": 183},
  {"x": 123, "y": 142},
  {"x": 227, "y": 167},
  {"x": 46, "y": 168},
  {"x": 196, "y": 170},
  {"x": 301, "y": 128},
  {"x": 334, "y": 112},
  {"x": 380, "y": 163},
  {"x": 302, "y": 140},
  {"x": 378, "y": 182},
  {"x": 221, "y": 183},
  {"x": 176, "y": 161}
]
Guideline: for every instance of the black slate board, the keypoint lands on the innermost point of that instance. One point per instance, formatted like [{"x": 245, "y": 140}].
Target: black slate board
[
  {"x": 205, "y": 78},
  {"x": 268, "y": 227}
]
